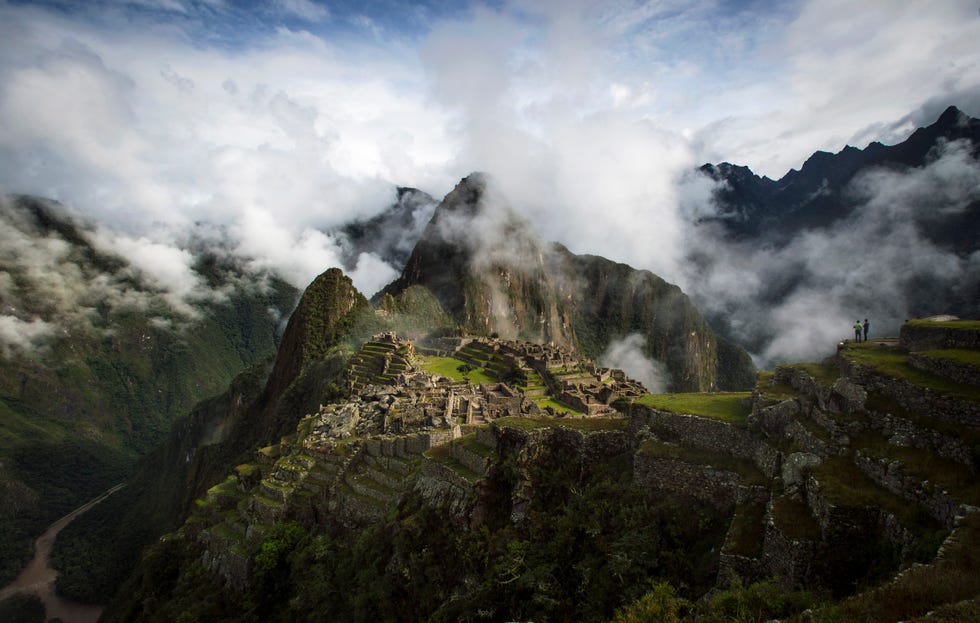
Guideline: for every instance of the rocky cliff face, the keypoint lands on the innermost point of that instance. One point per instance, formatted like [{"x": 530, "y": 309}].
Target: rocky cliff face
[{"x": 493, "y": 276}]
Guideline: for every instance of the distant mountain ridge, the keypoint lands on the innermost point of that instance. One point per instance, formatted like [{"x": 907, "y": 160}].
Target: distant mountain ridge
[{"x": 751, "y": 206}]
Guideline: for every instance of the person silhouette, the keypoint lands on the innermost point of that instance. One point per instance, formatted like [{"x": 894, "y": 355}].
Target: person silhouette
[
  {"x": 857, "y": 330},
  {"x": 865, "y": 327}
]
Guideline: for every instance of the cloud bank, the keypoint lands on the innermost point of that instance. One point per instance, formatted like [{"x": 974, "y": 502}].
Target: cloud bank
[
  {"x": 282, "y": 122},
  {"x": 797, "y": 301}
]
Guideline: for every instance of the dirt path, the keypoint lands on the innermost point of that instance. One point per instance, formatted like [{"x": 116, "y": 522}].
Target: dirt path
[{"x": 38, "y": 576}]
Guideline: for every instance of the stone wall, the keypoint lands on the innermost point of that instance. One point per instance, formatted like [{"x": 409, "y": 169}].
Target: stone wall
[
  {"x": 786, "y": 559},
  {"x": 441, "y": 486},
  {"x": 837, "y": 523},
  {"x": 946, "y": 368},
  {"x": 702, "y": 482},
  {"x": 706, "y": 433},
  {"x": 937, "y": 337},
  {"x": 915, "y": 398},
  {"x": 891, "y": 476},
  {"x": 903, "y": 432},
  {"x": 469, "y": 459}
]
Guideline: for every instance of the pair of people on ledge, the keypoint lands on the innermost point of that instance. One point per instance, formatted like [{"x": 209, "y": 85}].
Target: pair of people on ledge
[{"x": 858, "y": 328}]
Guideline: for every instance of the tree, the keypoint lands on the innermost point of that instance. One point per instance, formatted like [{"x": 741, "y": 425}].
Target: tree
[{"x": 465, "y": 369}]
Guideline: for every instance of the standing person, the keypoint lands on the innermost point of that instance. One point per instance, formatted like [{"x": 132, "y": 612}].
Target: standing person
[
  {"x": 857, "y": 330},
  {"x": 866, "y": 325}
]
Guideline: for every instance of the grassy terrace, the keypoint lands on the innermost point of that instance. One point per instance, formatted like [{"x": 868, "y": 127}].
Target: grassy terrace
[
  {"x": 443, "y": 454},
  {"x": 449, "y": 368},
  {"x": 940, "y": 587},
  {"x": 963, "y": 356},
  {"x": 545, "y": 401},
  {"x": 582, "y": 424},
  {"x": 731, "y": 407},
  {"x": 470, "y": 443},
  {"x": 823, "y": 373},
  {"x": 947, "y": 474},
  {"x": 894, "y": 363},
  {"x": 745, "y": 468},
  {"x": 773, "y": 392},
  {"x": 845, "y": 485}
]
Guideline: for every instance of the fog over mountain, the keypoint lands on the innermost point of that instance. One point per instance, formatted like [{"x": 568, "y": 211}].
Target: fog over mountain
[{"x": 273, "y": 126}]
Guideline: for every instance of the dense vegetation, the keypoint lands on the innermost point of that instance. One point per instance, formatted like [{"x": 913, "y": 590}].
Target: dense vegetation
[
  {"x": 77, "y": 419},
  {"x": 575, "y": 557}
]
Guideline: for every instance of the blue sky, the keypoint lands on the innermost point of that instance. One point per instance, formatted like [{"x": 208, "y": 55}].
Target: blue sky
[{"x": 277, "y": 119}]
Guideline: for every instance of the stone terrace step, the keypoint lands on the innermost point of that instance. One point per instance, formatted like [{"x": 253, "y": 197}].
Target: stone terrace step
[
  {"x": 391, "y": 463},
  {"x": 364, "y": 486}
]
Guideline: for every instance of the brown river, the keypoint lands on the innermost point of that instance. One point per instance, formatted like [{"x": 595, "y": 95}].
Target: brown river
[{"x": 38, "y": 576}]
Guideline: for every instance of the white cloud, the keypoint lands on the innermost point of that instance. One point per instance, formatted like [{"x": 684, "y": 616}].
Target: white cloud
[
  {"x": 873, "y": 264},
  {"x": 23, "y": 337},
  {"x": 627, "y": 355},
  {"x": 161, "y": 266}
]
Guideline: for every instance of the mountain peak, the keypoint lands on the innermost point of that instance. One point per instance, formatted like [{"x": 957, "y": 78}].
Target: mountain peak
[{"x": 952, "y": 117}]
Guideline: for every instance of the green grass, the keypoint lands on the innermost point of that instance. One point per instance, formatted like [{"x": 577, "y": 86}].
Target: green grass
[
  {"x": 583, "y": 424},
  {"x": 893, "y": 362},
  {"x": 545, "y": 401},
  {"x": 773, "y": 392},
  {"x": 748, "y": 470},
  {"x": 947, "y": 474},
  {"x": 730, "y": 407},
  {"x": 845, "y": 485},
  {"x": 823, "y": 373},
  {"x": 886, "y": 404},
  {"x": 958, "y": 355},
  {"x": 448, "y": 367}
]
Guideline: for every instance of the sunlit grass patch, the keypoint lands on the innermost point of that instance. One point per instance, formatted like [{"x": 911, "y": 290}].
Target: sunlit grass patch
[
  {"x": 731, "y": 407},
  {"x": 449, "y": 368},
  {"x": 545, "y": 401}
]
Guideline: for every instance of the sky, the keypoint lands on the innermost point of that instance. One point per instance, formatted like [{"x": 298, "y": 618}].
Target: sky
[{"x": 276, "y": 120}]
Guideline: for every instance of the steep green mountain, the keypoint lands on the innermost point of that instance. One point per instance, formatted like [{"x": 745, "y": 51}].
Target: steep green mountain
[
  {"x": 97, "y": 551},
  {"x": 845, "y": 490},
  {"x": 97, "y": 360},
  {"x": 494, "y": 276}
]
